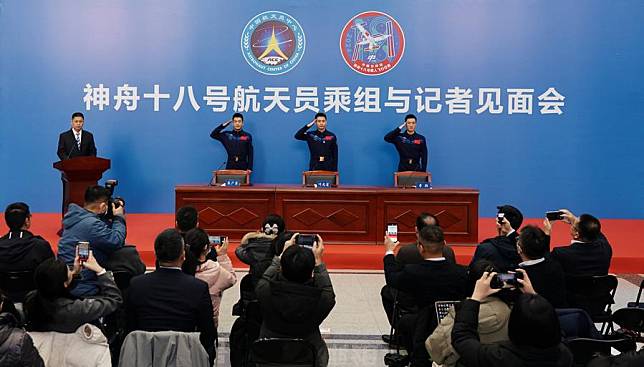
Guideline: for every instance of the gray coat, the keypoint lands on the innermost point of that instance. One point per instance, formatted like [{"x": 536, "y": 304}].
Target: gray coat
[
  {"x": 69, "y": 314},
  {"x": 163, "y": 348}
]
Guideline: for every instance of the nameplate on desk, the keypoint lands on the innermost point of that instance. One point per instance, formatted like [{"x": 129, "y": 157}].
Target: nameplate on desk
[
  {"x": 322, "y": 184},
  {"x": 423, "y": 185},
  {"x": 232, "y": 183}
]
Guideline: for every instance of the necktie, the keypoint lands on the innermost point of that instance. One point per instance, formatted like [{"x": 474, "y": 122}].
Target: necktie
[{"x": 78, "y": 141}]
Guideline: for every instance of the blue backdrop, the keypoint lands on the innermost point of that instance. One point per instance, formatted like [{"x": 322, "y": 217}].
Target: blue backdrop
[{"x": 588, "y": 158}]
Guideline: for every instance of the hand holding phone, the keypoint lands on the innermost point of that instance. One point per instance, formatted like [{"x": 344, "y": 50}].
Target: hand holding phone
[
  {"x": 306, "y": 240},
  {"x": 392, "y": 231},
  {"x": 83, "y": 250},
  {"x": 554, "y": 215}
]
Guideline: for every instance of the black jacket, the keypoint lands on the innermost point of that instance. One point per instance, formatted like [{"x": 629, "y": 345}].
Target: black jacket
[
  {"x": 238, "y": 145},
  {"x": 427, "y": 282},
  {"x": 412, "y": 150},
  {"x": 168, "y": 299},
  {"x": 585, "y": 258},
  {"x": 323, "y": 148},
  {"x": 16, "y": 347},
  {"x": 501, "y": 250},
  {"x": 294, "y": 309},
  {"x": 465, "y": 340},
  {"x": 548, "y": 280},
  {"x": 67, "y": 147},
  {"x": 22, "y": 251}
]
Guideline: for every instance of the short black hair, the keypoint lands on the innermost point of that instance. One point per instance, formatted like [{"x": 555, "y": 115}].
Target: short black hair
[
  {"x": 533, "y": 322},
  {"x": 320, "y": 114},
  {"x": 512, "y": 214},
  {"x": 532, "y": 241},
  {"x": 168, "y": 245},
  {"x": 410, "y": 116},
  {"x": 422, "y": 217},
  {"x": 297, "y": 264},
  {"x": 78, "y": 114},
  {"x": 237, "y": 114},
  {"x": 588, "y": 228},
  {"x": 95, "y": 194},
  {"x": 432, "y": 238},
  {"x": 15, "y": 215},
  {"x": 187, "y": 218}
]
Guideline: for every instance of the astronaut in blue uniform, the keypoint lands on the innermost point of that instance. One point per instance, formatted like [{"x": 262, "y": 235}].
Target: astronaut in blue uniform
[
  {"x": 323, "y": 144},
  {"x": 411, "y": 146},
  {"x": 238, "y": 143}
]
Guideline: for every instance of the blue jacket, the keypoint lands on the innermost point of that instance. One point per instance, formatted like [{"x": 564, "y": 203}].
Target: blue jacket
[{"x": 104, "y": 238}]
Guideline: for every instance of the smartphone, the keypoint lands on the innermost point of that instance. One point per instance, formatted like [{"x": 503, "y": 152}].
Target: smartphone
[
  {"x": 306, "y": 240},
  {"x": 216, "y": 240},
  {"x": 83, "y": 250},
  {"x": 392, "y": 231},
  {"x": 554, "y": 215},
  {"x": 499, "y": 218},
  {"x": 505, "y": 280}
]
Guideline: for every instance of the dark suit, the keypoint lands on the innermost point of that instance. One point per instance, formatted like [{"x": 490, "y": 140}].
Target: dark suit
[
  {"x": 67, "y": 147},
  {"x": 427, "y": 282},
  {"x": 407, "y": 254},
  {"x": 585, "y": 258},
  {"x": 548, "y": 280},
  {"x": 168, "y": 299}
]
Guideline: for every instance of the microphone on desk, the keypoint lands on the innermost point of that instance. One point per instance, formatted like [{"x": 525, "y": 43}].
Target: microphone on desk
[
  {"x": 70, "y": 152},
  {"x": 213, "y": 181}
]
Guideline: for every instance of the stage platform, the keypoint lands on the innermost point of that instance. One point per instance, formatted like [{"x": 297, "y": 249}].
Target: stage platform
[{"x": 626, "y": 237}]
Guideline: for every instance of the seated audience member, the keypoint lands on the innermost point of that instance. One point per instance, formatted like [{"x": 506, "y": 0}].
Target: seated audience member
[
  {"x": 51, "y": 308},
  {"x": 296, "y": 295},
  {"x": 167, "y": 299},
  {"x": 533, "y": 329},
  {"x": 105, "y": 235},
  {"x": 186, "y": 219},
  {"x": 546, "y": 275},
  {"x": 16, "y": 346},
  {"x": 435, "y": 279},
  {"x": 409, "y": 254},
  {"x": 589, "y": 253},
  {"x": 255, "y": 246},
  {"x": 502, "y": 249},
  {"x": 218, "y": 274},
  {"x": 494, "y": 314},
  {"x": 20, "y": 250}
]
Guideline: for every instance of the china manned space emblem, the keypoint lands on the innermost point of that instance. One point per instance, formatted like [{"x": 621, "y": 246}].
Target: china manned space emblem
[
  {"x": 372, "y": 43},
  {"x": 273, "y": 42}
]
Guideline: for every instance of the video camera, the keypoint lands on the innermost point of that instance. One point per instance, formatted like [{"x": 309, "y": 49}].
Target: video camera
[{"x": 117, "y": 201}]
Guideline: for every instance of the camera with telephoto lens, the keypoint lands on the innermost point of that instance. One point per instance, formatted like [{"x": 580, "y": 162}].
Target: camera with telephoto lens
[{"x": 116, "y": 201}]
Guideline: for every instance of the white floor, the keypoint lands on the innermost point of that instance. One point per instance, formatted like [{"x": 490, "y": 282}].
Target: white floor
[{"x": 353, "y": 329}]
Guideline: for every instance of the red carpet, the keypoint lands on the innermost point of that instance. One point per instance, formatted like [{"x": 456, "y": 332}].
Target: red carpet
[{"x": 626, "y": 237}]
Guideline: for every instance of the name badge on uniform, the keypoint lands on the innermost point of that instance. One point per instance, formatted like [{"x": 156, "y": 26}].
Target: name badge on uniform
[
  {"x": 322, "y": 184},
  {"x": 423, "y": 185}
]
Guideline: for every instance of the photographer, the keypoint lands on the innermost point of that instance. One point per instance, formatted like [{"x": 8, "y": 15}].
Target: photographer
[
  {"x": 89, "y": 224},
  {"x": 502, "y": 250},
  {"x": 296, "y": 295},
  {"x": 533, "y": 329}
]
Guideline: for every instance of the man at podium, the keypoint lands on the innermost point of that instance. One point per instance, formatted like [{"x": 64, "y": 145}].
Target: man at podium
[
  {"x": 411, "y": 146},
  {"x": 238, "y": 143},
  {"x": 76, "y": 142},
  {"x": 323, "y": 144}
]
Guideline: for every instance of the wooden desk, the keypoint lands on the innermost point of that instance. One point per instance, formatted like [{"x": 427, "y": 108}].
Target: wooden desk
[{"x": 342, "y": 215}]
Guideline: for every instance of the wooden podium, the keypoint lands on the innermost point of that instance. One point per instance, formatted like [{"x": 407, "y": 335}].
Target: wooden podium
[{"x": 78, "y": 174}]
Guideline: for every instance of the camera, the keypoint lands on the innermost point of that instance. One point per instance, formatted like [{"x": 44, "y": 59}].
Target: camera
[
  {"x": 306, "y": 240},
  {"x": 505, "y": 280},
  {"x": 499, "y": 218},
  {"x": 116, "y": 201}
]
